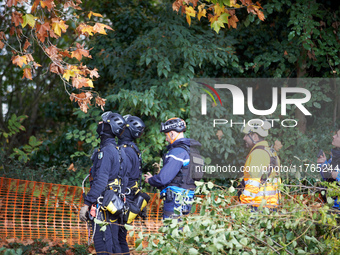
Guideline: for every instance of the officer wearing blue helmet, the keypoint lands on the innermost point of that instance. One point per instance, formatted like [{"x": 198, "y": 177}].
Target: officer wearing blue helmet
[
  {"x": 134, "y": 129},
  {"x": 108, "y": 167},
  {"x": 174, "y": 178}
]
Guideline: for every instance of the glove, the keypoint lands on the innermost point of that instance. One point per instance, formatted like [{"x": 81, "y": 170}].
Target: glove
[{"x": 84, "y": 213}]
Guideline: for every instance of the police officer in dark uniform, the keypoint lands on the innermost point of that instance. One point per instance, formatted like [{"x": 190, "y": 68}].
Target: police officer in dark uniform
[
  {"x": 108, "y": 166},
  {"x": 174, "y": 178},
  {"x": 134, "y": 129}
]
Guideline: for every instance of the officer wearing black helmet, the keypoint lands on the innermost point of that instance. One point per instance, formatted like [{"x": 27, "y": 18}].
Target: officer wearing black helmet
[
  {"x": 174, "y": 178},
  {"x": 134, "y": 129},
  {"x": 108, "y": 167}
]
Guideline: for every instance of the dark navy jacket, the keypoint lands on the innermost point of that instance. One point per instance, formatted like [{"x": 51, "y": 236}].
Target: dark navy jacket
[
  {"x": 134, "y": 171},
  {"x": 174, "y": 160},
  {"x": 106, "y": 169}
]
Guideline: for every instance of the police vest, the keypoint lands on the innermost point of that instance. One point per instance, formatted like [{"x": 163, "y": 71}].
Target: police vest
[{"x": 188, "y": 174}]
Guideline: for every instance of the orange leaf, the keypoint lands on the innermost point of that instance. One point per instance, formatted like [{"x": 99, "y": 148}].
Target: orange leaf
[
  {"x": 29, "y": 58},
  {"x": 19, "y": 60},
  {"x": 260, "y": 15},
  {"x": 54, "y": 68},
  {"x": 232, "y": 21},
  {"x": 42, "y": 31},
  {"x": 52, "y": 51},
  {"x": 35, "y": 5},
  {"x": 17, "y": 18},
  {"x": 79, "y": 53},
  {"x": 71, "y": 168},
  {"x": 1, "y": 45},
  {"x": 177, "y": 5},
  {"x": 219, "y": 134},
  {"x": 94, "y": 73},
  {"x": 48, "y": 3},
  {"x": 27, "y": 73},
  {"x": 11, "y": 3},
  {"x": 79, "y": 82},
  {"x": 27, "y": 44},
  {"x": 99, "y": 28},
  {"x": 100, "y": 102},
  {"x": 2, "y": 35},
  {"x": 65, "y": 53}
]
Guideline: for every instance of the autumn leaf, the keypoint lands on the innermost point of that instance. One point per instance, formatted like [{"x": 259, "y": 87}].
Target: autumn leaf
[
  {"x": 52, "y": 52},
  {"x": 86, "y": 29},
  {"x": 1, "y": 45},
  {"x": 29, "y": 58},
  {"x": 35, "y": 5},
  {"x": 19, "y": 60},
  {"x": 177, "y": 5},
  {"x": 94, "y": 14},
  {"x": 27, "y": 73},
  {"x": 277, "y": 145},
  {"x": 94, "y": 73},
  {"x": 219, "y": 134},
  {"x": 79, "y": 82},
  {"x": 58, "y": 26},
  {"x": 201, "y": 12},
  {"x": 80, "y": 52},
  {"x": 54, "y": 68},
  {"x": 11, "y": 3},
  {"x": 27, "y": 44},
  {"x": 100, "y": 28},
  {"x": 2, "y": 35},
  {"x": 232, "y": 21},
  {"x": 17, "y": 18},
  {"x": 48, "y": 3},
  {"x": 100, "y": 102},
  {"x": 190, "y": 12},
  {"x": 28, "y": 19},
  {"x": 260, "y": 15},
  {"x": 71, "y": 168},
  {"x": 90, "y": 83},
  {"x": 83, "y": 100},
  {"x": 218, "y": 9},
  {"x": 67, "y": 74},
  {"x": 42, "y": 31}
]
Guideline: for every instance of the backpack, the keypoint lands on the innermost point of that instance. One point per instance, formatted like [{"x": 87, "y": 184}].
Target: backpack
[{"x": 196, "y": 164}]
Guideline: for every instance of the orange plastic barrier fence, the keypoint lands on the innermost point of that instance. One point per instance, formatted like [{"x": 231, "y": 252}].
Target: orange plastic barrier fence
[{"x": 37, "y": 210}]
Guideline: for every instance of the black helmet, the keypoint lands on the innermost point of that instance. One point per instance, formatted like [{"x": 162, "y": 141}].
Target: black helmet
[
  {"x": 135, "y": 125},
  {"x": 174, "y": 124},
  {"x": 115, "y": 120}
]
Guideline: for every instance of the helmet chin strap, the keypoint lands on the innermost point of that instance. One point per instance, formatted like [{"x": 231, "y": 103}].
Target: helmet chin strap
[
  {"x": 252, "y": 139},
  {"x": 172, "y": 140}
]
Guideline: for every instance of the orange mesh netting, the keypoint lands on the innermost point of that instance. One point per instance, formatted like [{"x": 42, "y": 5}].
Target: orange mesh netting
[{"x": 37, "y": 210}]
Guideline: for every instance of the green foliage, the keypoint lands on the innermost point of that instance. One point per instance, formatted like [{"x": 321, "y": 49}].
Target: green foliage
[
  {"x": 221, "y": 226},
  {"x": 28, "y": 149},
  {"x": 14, "y": 126},
  {"x": 42, "y": 247}
]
